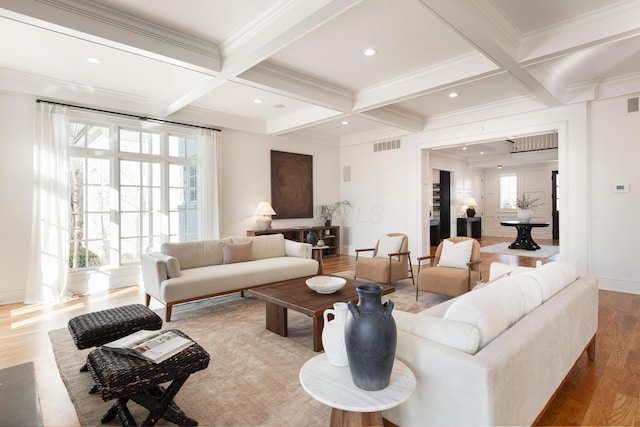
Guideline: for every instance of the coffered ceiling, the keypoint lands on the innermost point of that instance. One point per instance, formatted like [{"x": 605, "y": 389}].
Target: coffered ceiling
[{"x": 303, "y": 59}]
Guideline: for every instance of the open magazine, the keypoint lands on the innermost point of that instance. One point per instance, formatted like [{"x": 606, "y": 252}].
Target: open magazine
[{"x": 155, "y": 346}]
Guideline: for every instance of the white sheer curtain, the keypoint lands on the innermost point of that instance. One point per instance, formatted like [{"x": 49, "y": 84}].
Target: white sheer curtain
[
  {"x": 208, "y": 172},
  {"x": 49, "y": 253}
]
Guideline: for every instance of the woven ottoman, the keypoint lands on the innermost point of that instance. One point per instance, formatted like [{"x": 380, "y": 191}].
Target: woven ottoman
[
  {"x": 125, "y": 378},
  {"x": 100, "y": 327}
]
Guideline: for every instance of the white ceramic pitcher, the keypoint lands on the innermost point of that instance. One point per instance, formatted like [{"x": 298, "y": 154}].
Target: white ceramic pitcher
[{"x": 333, "y": 334}]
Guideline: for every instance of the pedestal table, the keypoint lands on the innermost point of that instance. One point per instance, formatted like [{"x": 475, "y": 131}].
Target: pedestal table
[{"x": 350, "y": 405}]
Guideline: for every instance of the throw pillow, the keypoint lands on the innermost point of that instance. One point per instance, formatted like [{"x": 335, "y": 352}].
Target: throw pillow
[
  {"x": 498, "y": 270},
  {"x": 455, "y": 255},
  {"x": 236, "y": 252},
  {"x": 389, "y": 245}
]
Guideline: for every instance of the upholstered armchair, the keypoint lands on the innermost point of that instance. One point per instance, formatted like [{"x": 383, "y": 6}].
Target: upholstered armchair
[
  {"x": 391, "y": 260},
  {"x": 454, "y": 270}
]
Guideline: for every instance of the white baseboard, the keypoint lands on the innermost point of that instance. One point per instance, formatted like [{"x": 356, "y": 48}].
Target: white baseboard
[{"x": 619, "y": 285}]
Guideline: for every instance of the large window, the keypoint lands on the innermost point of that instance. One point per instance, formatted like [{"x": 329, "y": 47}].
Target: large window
[
  {"x": 131, "y": 189},
  {"x": 508, "y": 192}
]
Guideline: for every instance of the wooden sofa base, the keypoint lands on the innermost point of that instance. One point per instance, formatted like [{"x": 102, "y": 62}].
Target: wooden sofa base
[{"x": 169, "y": 305}]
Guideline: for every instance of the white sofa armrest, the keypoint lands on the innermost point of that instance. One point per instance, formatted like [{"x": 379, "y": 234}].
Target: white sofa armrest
[
  {"x": 154, "y": 272},
  {"x": 297, "y": 249}
]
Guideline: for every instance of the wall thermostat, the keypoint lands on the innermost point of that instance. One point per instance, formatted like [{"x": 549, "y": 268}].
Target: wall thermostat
[{"x": 620, "y": 188}]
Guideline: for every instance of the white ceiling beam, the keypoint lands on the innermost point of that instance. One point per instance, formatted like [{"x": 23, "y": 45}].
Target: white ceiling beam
[
  {"x": 396, "y": 117},
  {"x": 281, "y": 25},
  {"x": 614, "y": 23},
  {"x": 469, "y": 20},
  {"x": 284, "y": 82},
  {"x": 456, "y": 71},
  {"x": 301, "y": 119},
  {"x": 107, "y": 27}
]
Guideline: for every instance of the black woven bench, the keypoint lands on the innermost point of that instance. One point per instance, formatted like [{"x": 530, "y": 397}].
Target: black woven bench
[
  {"x": 100, "y": 327},
  {"x": 125, "y": 378}
]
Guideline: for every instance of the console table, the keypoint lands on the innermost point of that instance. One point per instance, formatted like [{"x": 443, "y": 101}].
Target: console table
[
  {"x": 475, "y": 223},
  {"x": 330, "y": 235},
  {"x": 350, "y": 405},
  {"x": 524, "y": 239}
]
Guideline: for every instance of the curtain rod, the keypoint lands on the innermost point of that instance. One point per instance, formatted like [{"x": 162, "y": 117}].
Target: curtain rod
[{"x": 128, "y": 115}]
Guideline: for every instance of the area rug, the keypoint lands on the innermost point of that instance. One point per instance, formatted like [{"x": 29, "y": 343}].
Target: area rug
[
  {"x": 19, "y": 402},
  {"x": 545, "y": 251},
  {"x": 252, "y": 379}
]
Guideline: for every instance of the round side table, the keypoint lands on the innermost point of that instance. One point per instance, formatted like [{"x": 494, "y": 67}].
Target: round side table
[
  {"x": 351, "y": 405},
  {"x": 317, "y": 254}
]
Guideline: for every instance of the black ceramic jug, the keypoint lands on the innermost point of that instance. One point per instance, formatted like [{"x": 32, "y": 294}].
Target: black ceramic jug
[
  {"x": 312, "y": 238},
  {"x": 370, "y": 338}
]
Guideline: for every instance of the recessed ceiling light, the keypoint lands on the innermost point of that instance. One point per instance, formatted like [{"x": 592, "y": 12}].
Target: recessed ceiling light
[
  {"x": 464, "y": 148},
  {"x": 482, "y": 152},
  {"x": 499, "y": 166},
  {"x": 370, "y": 52},
  {"x": 257, "y": 101},
  {"x": 94, "y": 60},
  {"x": 345, "y": 122},
  {"x": 279, "y": 106},
  {"x": 453, "y": 95}
]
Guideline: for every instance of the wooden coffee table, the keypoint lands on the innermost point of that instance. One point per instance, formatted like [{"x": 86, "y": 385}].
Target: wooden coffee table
[{"x": 295, "y": 295}]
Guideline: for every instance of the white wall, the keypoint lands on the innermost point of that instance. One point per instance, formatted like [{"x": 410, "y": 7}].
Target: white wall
[
  {"x": 245, "y": 182},
  {"x": 377, "y": 192},
  {"x": 614, "y": 231},
  {"x": 16, "y": 182},
  {"x": 246, "y": 178}
]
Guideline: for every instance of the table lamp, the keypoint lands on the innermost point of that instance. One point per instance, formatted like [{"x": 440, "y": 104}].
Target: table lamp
[
  {"x": 471, "y": 204},
  {"x": 264, "y": 212}
]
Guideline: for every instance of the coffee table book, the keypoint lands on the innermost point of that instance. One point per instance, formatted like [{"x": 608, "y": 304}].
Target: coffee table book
[{"x": 155, "y": 346}]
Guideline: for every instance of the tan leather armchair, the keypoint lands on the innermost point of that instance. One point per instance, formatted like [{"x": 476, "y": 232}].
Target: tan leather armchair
[
  {"x": 448, "y": 280},
  {"x": 387, "y": 268}
]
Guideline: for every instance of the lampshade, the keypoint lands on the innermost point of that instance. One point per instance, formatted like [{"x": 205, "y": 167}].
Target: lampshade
[
  {"x": 471, "y": 202},
  {"x": 264, "y": 212},
  {"x": 264, "y": 208}
]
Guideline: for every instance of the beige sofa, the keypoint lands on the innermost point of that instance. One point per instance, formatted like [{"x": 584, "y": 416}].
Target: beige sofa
[
  {"x": 497, "y": 355},
  {"x": 183, "y": 272}
]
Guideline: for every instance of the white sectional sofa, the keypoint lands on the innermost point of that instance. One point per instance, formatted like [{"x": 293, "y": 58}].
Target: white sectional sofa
[
  {"x": 183, "y": 272},
  {"x": 497, "y": 355}
]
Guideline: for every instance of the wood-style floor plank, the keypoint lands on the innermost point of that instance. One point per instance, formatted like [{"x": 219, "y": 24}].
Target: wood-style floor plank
[{"x": 600, "y": 392}]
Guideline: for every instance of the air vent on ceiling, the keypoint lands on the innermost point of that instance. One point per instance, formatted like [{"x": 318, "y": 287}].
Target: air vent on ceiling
[
  {"x": 392, "y": 144},
  {"x": 524, "y": 144}
]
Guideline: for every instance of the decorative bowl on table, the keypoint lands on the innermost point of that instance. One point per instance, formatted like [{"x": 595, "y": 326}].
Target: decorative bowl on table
[{"x": 325, "y": 284}]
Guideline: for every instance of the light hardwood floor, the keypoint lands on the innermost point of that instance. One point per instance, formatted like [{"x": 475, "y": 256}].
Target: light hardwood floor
[{"x": 603, "y": 392}]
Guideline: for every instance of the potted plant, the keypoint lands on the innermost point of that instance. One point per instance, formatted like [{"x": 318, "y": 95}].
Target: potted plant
[
  {"x": 327, "y": 211},
  {"x": 525, "y": 207}
]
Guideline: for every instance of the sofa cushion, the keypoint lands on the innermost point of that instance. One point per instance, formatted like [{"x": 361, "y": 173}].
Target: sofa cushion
[
  {"x": 267, "y": 246},
  {"x": 459, "y": 335},
  {"x": 389, "y": 245},
  {"x": 236, "y": 252},
  {"x": 496, "y": 307},
  {"x": 172, "y": 264},
  {"x": 455, "y": 255},
  {"x": 195, "y": 254},
  {"x": 554, "y": 276}
]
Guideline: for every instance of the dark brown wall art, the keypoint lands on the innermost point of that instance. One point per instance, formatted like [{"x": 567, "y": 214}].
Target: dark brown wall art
[{"x": 291, "y": 185}]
